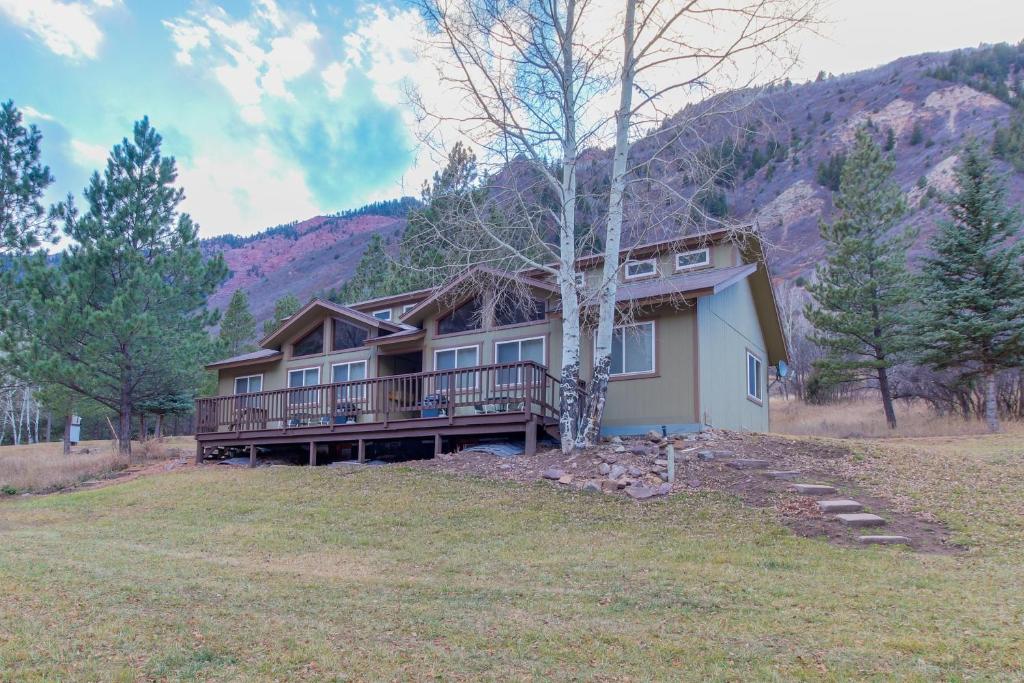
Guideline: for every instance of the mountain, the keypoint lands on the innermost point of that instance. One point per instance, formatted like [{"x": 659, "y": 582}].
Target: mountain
[{"x": 778, "y": 172}]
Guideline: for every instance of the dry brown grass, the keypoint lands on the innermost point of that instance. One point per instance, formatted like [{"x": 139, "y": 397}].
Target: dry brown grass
[
  {"x": 43, "y": 466},
  {"x": 864, "y": 419}
]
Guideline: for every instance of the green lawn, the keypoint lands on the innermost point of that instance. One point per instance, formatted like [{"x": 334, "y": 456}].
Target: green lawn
[{"x": 288, "y": 573}]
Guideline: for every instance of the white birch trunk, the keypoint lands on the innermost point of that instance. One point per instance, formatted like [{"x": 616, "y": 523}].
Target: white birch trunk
[{"x": 590, "y": 432}]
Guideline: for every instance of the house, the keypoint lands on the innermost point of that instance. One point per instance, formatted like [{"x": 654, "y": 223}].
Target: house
[{"x": 443, "y": 366}]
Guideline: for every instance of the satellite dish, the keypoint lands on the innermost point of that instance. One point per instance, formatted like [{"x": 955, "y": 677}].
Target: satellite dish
[{"x": 783, "y": 369}]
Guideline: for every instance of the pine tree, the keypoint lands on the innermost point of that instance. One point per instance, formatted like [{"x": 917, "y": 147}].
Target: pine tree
[
  {"x": 374, "y": 275},
  {"x": 24, "y": 223},
  {"x": 122, "y": 319},
  {"x": 237, "y": 327},
  {"x": 284, "y": 308},
  {"x": 972, "y": 286},
  {"x": 862, "y": 289}
]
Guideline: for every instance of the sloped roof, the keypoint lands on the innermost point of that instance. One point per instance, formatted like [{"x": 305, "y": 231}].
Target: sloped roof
[
  {"x": 251, "y": 358},
  {"x": 416, "y": 314},
  {"x": 704, "y": 282},
  {"x": 307, "y": 312}
]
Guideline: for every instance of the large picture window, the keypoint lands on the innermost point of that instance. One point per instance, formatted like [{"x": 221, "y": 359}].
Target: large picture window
[
  {"x": 513, "y": 352},
  {"x": 311, "y": 344},
  {"x": 633, "y": 349},
  {"x": 350, "y": 372},
  {"x": 347, "y": 336},
  {"x": 755, "y": 385},
  {"x": 455, "y": 359},
  {"x": 464, "y": 318},
  {"x": 305, "y": 377},
  {"x": 509, "y": 313},
  {"x": 248, "y": 385}
]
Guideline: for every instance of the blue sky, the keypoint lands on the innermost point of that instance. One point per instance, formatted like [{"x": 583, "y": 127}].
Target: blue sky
[{"x": 278, "y": 110}]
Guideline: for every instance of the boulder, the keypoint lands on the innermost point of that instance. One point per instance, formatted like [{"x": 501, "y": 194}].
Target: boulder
[
  {"x": 638, "y": 450},
  {"x": 616, "y": 439},
  {"x": 616, "y": 472},
  {"x": 604, "y": 468},
  {"x": 620, "y": 449},
  {"x": 638, "y": 492},
  {"x": 634, "y": 471},
  {"x": 654, "y": 435},
  {"x": 609, "y": 485},
  {"x": 592, "y": 487},
  {"x": 553, "y": 473},
  {"x": 565, "y": 479},
  {"x": 664, "y": 489}
]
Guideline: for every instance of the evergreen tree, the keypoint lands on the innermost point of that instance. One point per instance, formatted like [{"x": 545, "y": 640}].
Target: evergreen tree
[
  {"x": 24, "y": 223},
  {"x": 972, "y": 286},
  {"x": 374, "y": 275},
  {"x": 862, "y": 289},
  {"x": 285, "y": 307},
  {"x": 237, "y": 327},
  {"x": 122, "y": 319}
]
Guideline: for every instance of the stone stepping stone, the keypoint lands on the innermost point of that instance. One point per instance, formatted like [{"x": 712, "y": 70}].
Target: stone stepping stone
[
  {"x": 884, "y": 540},
  {"x": 860, "y": 519},
  {"x": 813, "y": 489},
  {"x": 747, "y": 464},
  {"x": 831, "y": 506},
  {"x": 783, "y": 474}
]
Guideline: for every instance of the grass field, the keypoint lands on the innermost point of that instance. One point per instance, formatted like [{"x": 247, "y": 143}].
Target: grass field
[{"x": 401, "y": 574}]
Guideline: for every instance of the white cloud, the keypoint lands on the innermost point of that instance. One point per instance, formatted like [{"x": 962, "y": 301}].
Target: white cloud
[
  {"x": 335, "y": 77},
  {"x": 33, "y": 113},
  {"x": 253, "y": 58},
  {"x": 241, "y": 190},
  {"x": 66, "y": 28},
  {"x": 88, "y": 155}
]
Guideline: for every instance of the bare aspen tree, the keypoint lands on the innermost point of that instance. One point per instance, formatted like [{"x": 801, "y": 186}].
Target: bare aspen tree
[{"x": 671, "y": 46}]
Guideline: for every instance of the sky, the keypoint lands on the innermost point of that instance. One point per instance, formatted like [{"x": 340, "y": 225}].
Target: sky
[{"x": 279, "y": 110}]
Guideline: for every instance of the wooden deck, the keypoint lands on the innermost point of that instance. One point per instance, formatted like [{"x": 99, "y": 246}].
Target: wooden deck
[{"x": 490, "y": 399}]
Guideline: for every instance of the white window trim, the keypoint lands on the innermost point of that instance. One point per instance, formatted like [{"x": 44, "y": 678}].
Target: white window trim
[
  {"x": 456, "y": 349},
  {"x": 383, "y": 310},
  {"x": 247, "y": 377},
  {"x": 303, "y": 370},
  {"x": 692, "y": 266},
  {"x": 543, "y": 353},
  {"x": 760, "y": 384},
  {"x": 654, "y": 350},
  {"x": 581, "y": 280},
  {"x": 360, "y": 391},
  {"x": 636, "y": 262}
]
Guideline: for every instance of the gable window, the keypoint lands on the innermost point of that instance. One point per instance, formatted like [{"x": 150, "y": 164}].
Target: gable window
[
  {"x": 304, "y": 377},
  {"x": 512, "y": 313},
  {"x": 464, "y": 318},
  {"x": 347, "y": 336},
  {"x": 312, "y": 343},
  {"x": 633, "y": 349},
  {"x": 349, "y": 372},
  {"x": 383, "y": 314},
  {"x": 698, "y": 258},
  {"x": 514, "y": 352},
  {"x": 755, "y": 385},
  {"x": 457, "y": 359},
  {"x": 408, "y": 307},
  {"x": 638, "y": 269}
]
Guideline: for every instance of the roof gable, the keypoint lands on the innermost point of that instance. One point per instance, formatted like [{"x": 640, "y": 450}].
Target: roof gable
[
  {"x": 301, "y": 320},
  {"x": 424, "y": 308}
]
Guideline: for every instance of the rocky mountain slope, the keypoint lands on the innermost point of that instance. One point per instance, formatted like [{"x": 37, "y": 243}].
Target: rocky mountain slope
[{"x": 780, "y": 174}]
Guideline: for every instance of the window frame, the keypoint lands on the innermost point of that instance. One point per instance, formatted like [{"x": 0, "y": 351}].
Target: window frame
[
  {"x": 288, "y": 380},
  {"x": 408, "y": 307},
  {"x": 359, "y": 392},
  {"x": 759, "y": 384},
  {"x": 476, "y": 375},
  {"x": 323, "y": 341},
  {"x": 539, "y": 321},
  {"x": 246, "y": 377},
  {"x": 543, "y": 352},
  {"x": 612, "y": 376},
  {"x": 693, "y": 266},
  {"x": 334, "y": 321},
  {"x": 383, "y": 310},
  {"x": 639, "y": 276},
  {"x": 474, "y": 330}
]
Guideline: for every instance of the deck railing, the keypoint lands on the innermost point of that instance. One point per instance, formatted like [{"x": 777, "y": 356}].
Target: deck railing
[{"x": 524, "y": 387}]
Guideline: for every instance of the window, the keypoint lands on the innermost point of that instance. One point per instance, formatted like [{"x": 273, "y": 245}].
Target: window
[
  {"x": 507, "y": 312},
  {"x": 513, "y": 352},
  {"x": 408, "y": 307},
  {"x": 383, "y": 314},
  {"x": 581, "y": 281},
  {"x": 633, "y": 349},
  {"x": 312, "y": 343},
  {"x": 305, "y": 377},
  {"x": 453, "y": 359},
  {"x": 347, "y": 336},
  {"x": 349, "y": 372},
  {"x": 249, "y": 384},
  {"x": 464, "y": 318},
  {"x": 639, "y": 269},
  {"x": 697, "y": 258},
  {"x": 755, "y": 385}
]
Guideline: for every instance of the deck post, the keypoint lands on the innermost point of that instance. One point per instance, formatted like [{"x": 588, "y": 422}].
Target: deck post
[
  {"x": 312, "y": 453},
  {"x": 200, "y": 452},
  {"x": 438, "y": 445},
  {"x": 362, "y": 450},
  {"x": 531, "y": 438},
  {"x": 252, "y": 455}
]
